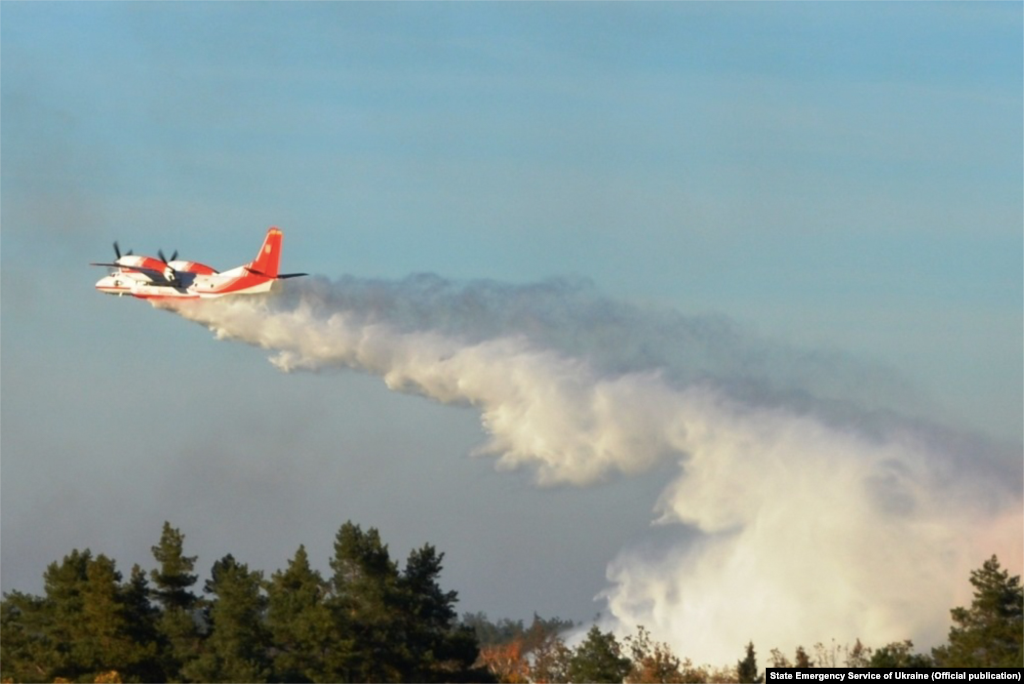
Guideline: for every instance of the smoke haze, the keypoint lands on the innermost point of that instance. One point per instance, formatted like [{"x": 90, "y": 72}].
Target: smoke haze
[{"x": 819, "y": 510}]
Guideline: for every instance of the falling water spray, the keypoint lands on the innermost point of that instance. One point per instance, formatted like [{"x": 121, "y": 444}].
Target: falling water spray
[{"x": 819, "y": 510}]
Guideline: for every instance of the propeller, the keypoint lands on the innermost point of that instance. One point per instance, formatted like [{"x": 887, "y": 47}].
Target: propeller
[
  {"x": 170, "y": 273},
  {"x": 117, "y": 251}
]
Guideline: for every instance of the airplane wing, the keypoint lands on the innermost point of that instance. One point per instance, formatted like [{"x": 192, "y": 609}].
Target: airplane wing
[
  {"x": 279, "y": 276},
  {"x": 157, "y": 278}
]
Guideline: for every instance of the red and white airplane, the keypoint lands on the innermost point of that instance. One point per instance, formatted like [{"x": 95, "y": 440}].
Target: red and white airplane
[{"x": 161, "y": 278}]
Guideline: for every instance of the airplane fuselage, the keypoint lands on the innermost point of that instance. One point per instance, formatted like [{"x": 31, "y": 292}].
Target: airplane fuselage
[
  {"x": 188, "y": 285},
  {"x": 150, "y": 278}
]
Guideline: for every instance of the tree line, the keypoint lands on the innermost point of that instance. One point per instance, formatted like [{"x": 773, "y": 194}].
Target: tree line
[
  {"x": 372, "y": 621},
  {"x": 989, "y": 633},
  {"x": 367, "y": 621}
]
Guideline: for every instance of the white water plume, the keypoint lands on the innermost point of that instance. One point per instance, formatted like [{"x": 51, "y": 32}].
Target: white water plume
[{"x": 822, "y": 514}]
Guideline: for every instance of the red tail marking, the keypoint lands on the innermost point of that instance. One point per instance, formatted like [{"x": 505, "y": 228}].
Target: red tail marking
[{"x": 268, "y": 260}]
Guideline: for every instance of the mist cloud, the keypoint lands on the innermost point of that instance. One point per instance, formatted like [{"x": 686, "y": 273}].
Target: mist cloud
[{"x": 820, "y": 511}]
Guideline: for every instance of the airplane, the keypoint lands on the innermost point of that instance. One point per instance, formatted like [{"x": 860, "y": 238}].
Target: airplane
[{"x": 149, "y": 277}]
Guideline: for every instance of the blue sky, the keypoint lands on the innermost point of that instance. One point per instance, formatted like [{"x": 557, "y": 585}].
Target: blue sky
[{"x": 841, "y": 176}]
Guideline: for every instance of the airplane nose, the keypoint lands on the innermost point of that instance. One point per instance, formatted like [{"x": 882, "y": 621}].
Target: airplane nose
[{"x": 110, "y": 285}]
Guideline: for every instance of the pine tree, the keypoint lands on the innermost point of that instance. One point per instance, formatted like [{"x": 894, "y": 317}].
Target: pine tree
[
  {"x": 63, "y": 584},
  {"x": 599, "y": 659},
  {"x": 103, "y": 643},
  {"x": 299, "y": 621},
  {"x": 363, "y": 604},
  {"x": 141, "y": 627},
  {"x": 172, "y": 582},
  {"x": 991, "y": 632},
  {"x": 368, "y": 623},
  {"x": 437, "y": 649},
  {"x": 236, "y": 649},
  {"x": 26, "y": 650},
  {"x": 746, "y": 669},
  {"x": 174, "y": 578},
  {"x": 86, "y": 626}
]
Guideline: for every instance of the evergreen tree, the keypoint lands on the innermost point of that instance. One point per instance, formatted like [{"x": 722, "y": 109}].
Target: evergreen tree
[
  {"x": 86, "y": 626},
  {"x": 177, "y": 624},
  {"x": 26, "y": 649},
  {"x": 115, "y": 635},
  {"x": 599, "y": 659},
  {"x": 236, "y": 649},
  {"x": 174, "y": 578},
  {"x": 991, "y": 632},
  {"x": 368, "y": 623},
  {"x": 437, "y": 648},
  {"x": 363, "y": 604},
  {"x": 141, "y": 622},
  {"x": 63, "y": 585},
  {"x": 299, "y": 621},
  {"x": 102, "y": 619},
  {"x": 746, "y": 669}
]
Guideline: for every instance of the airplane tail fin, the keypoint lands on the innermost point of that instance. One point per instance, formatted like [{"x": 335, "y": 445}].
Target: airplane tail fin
[{"x": 268, "y": 261}]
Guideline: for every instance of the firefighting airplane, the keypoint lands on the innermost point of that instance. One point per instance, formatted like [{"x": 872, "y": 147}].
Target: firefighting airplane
[{"x": 161, "y": 278}]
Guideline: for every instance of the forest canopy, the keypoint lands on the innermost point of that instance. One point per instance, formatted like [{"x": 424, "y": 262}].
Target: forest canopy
[{"x": 371, "y": 620}]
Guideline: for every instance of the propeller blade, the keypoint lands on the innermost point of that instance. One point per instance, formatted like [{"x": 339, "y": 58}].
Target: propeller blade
[
  {"x": 174, "y": 255},
  {"x": 160, "y": 253},
  {"x": 117, "y": 250}
]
